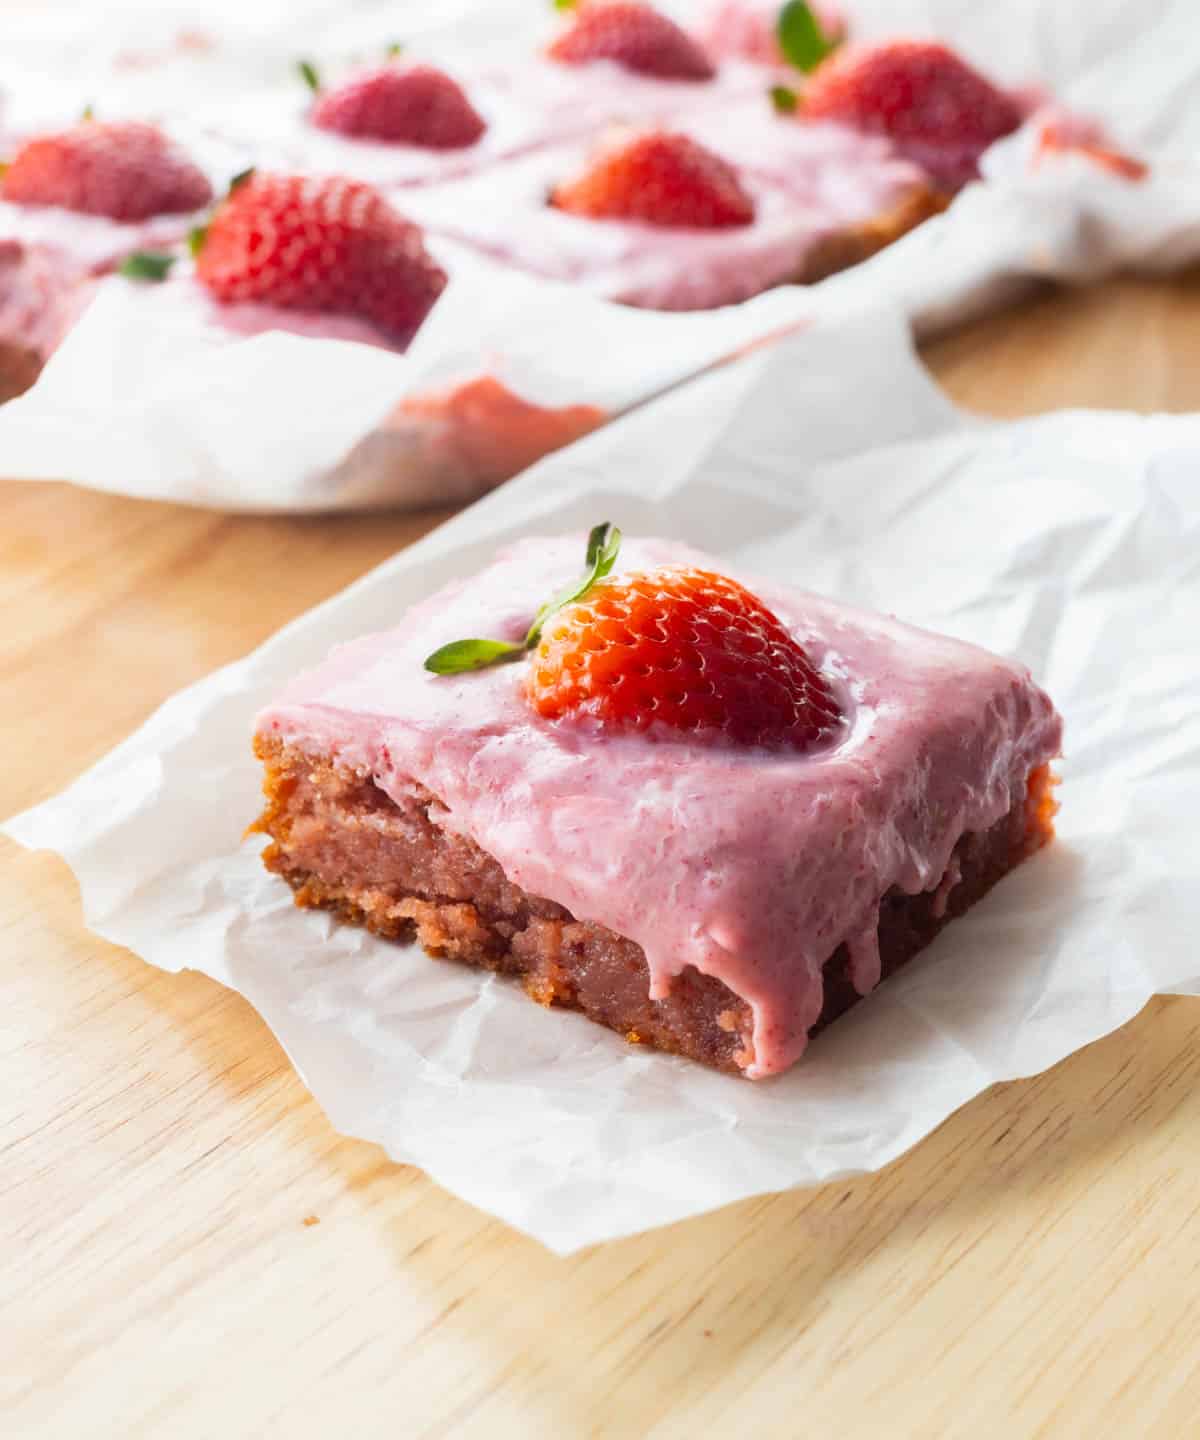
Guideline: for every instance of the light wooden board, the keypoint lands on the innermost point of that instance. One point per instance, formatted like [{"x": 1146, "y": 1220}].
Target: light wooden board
[{"x": 190, "y": 1250}]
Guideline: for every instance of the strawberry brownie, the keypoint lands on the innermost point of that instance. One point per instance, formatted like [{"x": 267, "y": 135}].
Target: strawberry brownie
[
  {"x": 656, "y": 218},
  {"x": 711, "y": 816},
  {"x": 73, "y": 205},
  {"x": 402, "y": 122}
]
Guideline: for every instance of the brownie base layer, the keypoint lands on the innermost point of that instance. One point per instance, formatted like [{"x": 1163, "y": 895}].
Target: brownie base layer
[
  {"x": 851, "y": 246},
  {"x": 19, "y": 368},
  {"x": 343, "y": 845}
]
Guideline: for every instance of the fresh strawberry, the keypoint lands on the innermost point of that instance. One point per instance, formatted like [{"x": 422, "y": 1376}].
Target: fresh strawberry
[
  {"x": 933, "y": 105},
  {"x": 661, "y": 178},
  {"x": 407, "y": 105},
  {"x": 635, "y": 36},
  {"x": 677, "y": 648},
  {"x": 325, "y": 244},
  {"x": 687, "y": 649},
  {"x": 1084, "y": 138},
  {"x": 123, "y": 170}
]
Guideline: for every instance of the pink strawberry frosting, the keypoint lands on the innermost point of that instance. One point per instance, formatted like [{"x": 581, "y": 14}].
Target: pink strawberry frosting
[
  {"x": 526, "y": 105},
  {"x": 276, "y": 128},
  {"x": 248, "y": 318},
  {"x": 49, "y": 260},
  {"x": 42, "y": 293},
  {"x": 93, "y": 243},
  {"x": 574, "y": 99},
  {"x": 834, "y": 171},
  {"x": 751, "y": 866},
  {"x": 747, "y": 28},
  {"x": 806, "y": 182}
]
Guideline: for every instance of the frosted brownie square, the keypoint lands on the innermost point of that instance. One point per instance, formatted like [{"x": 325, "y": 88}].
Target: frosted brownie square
[
  {"x": 793, "y": 229},
  {"x": 709, "y": 814}
]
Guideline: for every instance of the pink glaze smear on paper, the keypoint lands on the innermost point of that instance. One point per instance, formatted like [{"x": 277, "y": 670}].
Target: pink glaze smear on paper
[{"x": 751, "y": 866}]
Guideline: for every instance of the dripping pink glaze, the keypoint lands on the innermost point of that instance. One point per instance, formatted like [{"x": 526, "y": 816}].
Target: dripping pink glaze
[
  {"x": 751, "y": 866},
  {"x": 806, "y": 182}
]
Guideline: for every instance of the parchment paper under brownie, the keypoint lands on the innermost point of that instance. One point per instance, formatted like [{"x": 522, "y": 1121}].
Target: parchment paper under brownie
[{"x": 710, "y": 816}]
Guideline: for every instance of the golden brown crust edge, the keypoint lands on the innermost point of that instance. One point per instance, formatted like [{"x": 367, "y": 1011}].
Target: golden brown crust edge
[{"x": 842, "y": 249}]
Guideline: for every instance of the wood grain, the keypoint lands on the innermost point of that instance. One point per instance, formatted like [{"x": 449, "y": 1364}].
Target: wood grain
[{"x": 192, "y": 1251}]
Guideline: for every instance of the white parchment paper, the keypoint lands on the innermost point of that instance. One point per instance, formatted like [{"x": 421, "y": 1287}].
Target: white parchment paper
[
  {"x": 829, "y": 460},
  {"x": 150, "y": 397}
]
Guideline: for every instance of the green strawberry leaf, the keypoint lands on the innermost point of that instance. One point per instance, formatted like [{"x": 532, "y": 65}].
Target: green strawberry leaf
[
  {"x": 197, "y": 235},
  {"x": 308, "y": 73},
  {"x": 565, "y": 4},
  {"x": 394, "y": 49},
  {"x": 241, "y": 177},
  {"x": 803, "y": 42},
  {"x": 88, "y": 112},
  {"x": 146, "y": 265},
  {"x": 604, "y": 543},
  {"x": 462, "y": 655},
  {"x": 783, "y": 99}
]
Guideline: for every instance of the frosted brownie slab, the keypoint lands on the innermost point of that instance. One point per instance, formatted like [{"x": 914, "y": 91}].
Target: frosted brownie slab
[{"x": 713, "y": 897}]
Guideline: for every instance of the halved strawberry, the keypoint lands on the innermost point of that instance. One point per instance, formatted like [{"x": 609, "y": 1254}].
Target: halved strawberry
[
  {"x": 408, "y": 105},
  {"x": 661, "y": 178},
  {"x": 325, "y": 244},
  {"x": 937, "y": 109},
  {"x": 673, "y": 650},
  {"x": 122, "y": 170},
  {"x": 635, "y": 36},
  {"x": 686, "y": 649}
]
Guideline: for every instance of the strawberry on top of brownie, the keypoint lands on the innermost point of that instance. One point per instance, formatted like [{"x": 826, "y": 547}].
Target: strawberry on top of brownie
[
  {"x": 935, "y": 108},
  {"x": 323, "y": 244},
  {"x": 121, "y": 170},
  {"x": 633, "y": 35}
]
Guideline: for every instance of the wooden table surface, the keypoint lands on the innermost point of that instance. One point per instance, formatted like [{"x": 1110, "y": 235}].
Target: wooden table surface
[{"x": 190, "y": 1250}]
